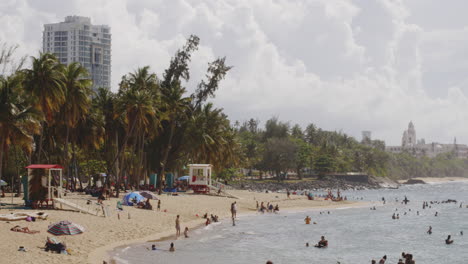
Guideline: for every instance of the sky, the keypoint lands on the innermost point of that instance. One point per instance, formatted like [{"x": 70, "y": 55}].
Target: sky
[{"x": 344, "y": 65}]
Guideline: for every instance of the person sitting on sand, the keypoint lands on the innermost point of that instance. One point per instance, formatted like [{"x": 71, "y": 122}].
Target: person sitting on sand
[
  {"x": 172, "y": 248},
  {"x": 449, "y": 241},
  {"x": 322, "y": 243},
  {"x": 186, "y": 232},
  {"x": 119, "y": 206},
  {"x": 276, "y": 208},
  {"x": 148, "y": 205},
  {"x": 307, "y": 220}
]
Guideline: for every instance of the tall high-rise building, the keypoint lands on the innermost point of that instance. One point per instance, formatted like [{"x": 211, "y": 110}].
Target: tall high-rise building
[{"x": 77, "y": 40}]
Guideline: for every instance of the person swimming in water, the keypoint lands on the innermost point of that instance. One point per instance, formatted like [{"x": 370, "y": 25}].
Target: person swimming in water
[
  {"x": 307, "y": 220},
  {"x": 172, "y": 248},
  {"x": 153, "y": 247},
  {"x": 430, "y": 230},
  {"x": 449, "y": 240},
  {"x": 322, "y": 243}
]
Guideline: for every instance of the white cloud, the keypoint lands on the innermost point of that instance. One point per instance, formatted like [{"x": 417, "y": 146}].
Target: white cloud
[{"x": 345, "y": 65}]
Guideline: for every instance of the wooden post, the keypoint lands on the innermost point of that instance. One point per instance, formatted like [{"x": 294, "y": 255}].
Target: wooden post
[{"x": 48, "y": 186}]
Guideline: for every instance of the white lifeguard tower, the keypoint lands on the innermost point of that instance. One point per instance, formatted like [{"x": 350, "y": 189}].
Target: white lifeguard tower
[{"x": 200, "y": 177}]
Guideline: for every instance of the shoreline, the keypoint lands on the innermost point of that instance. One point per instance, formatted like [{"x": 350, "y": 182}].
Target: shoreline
[{"x": 105, "y": 253}]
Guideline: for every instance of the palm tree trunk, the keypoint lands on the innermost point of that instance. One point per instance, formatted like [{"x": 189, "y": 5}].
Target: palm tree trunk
[
  {"x": 166, "y": 154},
  {"x": 41, "y": 139},
  {"x": 140, "y": 158},
  {"x": 18, "y": 171},
  {"x": 124, "y": 143},
  {"x": 74, "y": 167},
  {"x": 2, "y": 148}
]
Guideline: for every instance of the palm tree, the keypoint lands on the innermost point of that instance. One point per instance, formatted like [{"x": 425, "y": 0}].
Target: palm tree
[
  {"x": 137, "y": 106},
  {"x": 105, "y": 103},
  {"x": 78, "y": 100},
  {"x": 44, "y": 83},
  {"x": 212, "y": 139},
  {"x": 18, "y": 121},
  {"x": 176, "y": 106}
]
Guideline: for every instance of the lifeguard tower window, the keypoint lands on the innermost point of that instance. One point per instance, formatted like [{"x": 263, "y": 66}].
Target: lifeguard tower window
[{"x": 199, "y": 174}]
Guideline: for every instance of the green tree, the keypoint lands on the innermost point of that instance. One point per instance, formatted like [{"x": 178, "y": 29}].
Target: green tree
[
  {"x": 44, "y": 84},
  {"x": 18, "y": 120}
]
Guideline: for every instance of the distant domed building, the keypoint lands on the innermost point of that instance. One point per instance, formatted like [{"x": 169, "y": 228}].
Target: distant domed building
[
  {"x": 410, "y": 144},
  {"x": 409, "y": 136}
]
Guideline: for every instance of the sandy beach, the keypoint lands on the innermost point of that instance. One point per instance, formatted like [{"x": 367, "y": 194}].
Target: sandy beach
[{"x": 135, "y": 225}]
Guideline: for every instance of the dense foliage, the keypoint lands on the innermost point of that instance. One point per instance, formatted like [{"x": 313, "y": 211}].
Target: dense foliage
[
  {"x": 280, "y": 148},
  {"x": 50, "y": 114}
]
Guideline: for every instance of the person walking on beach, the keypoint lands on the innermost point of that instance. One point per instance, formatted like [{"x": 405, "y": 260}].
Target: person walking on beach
[
  {"x": 234, "y": 210},
  {"x": 177, "y": 226},
  {"x": 159, "y": 205}
]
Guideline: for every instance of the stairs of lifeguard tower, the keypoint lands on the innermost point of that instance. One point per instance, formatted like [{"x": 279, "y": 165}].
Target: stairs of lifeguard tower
[
  {"x": 75, "y": 206},
  {"x": 219, "y": 186}
]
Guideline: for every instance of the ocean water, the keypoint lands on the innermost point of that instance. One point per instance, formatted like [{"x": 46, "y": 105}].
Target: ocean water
[{"x": 355, "y": 235}]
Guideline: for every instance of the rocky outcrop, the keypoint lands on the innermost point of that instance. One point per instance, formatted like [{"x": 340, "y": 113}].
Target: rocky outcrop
[
  {"x": 331, "y": 183},
  {"x": 414, "y": 181}
]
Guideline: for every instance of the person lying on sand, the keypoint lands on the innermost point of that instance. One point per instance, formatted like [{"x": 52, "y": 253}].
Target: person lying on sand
[{"x": 23, "y": 230}]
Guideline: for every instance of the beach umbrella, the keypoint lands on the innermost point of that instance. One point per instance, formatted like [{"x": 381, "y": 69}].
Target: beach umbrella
[
  {"x": 3, "y": 183},
  {"x": 129, "y": 198},
  {"x": 184, "y": 178},
  {"x": 65, "y": 228},
  {"x": 149, "y": 195}
]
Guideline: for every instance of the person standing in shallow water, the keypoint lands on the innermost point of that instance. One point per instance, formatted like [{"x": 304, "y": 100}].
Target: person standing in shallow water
[
  {"x": 233, "y": 210},
  {"x": 177, "y": 226}
]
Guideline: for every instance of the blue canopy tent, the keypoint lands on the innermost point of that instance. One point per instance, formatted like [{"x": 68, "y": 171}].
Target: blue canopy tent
[
  {"x": 184, "y": 178},
  {"x": 131, "y": 198}
]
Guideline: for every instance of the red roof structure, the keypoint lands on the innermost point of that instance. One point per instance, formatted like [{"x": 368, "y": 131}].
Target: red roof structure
[{"x": 44, "y": 166}]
